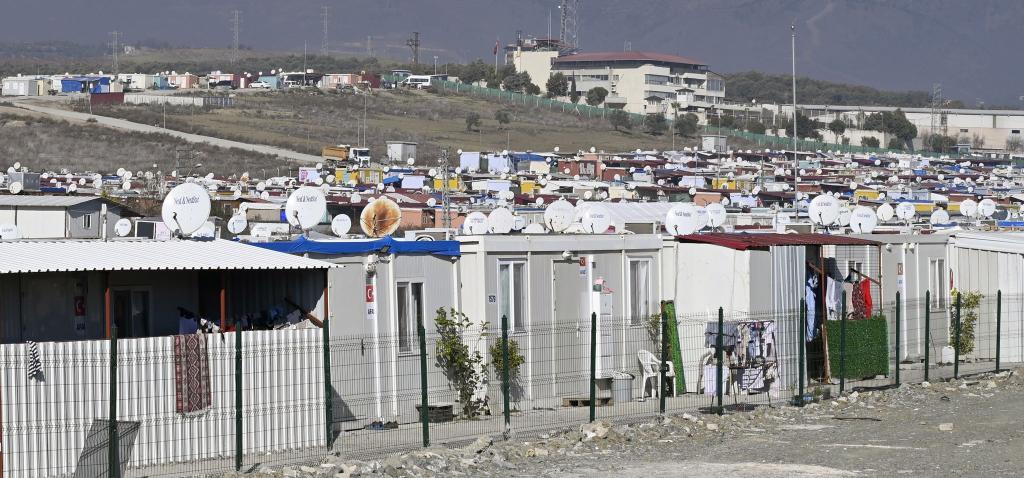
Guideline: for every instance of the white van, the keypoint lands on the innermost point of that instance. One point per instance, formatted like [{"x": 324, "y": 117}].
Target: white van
[{"x": 417, "y": 81}]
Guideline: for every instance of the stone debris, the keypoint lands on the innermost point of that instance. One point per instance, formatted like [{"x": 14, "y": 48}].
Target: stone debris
[{"x": 945, "y": 427}]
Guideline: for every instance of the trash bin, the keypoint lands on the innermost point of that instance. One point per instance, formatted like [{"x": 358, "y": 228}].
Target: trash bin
[{"x": 622, "y": 387}]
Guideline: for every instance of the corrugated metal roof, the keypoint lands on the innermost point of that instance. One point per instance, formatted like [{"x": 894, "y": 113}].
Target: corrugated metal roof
[
  {"x": 742, "y": 242},
  {"x": 626, "y": 56},
  {"x": 142, "y": 255},
  {"x": 45, "y": 201}
]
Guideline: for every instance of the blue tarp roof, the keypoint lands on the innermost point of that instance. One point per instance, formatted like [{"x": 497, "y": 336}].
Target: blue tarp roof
[
  {"x": 392, "y": 179},
  {"x": 527, "y": 157},
  {"x": 303, "y": 245}
]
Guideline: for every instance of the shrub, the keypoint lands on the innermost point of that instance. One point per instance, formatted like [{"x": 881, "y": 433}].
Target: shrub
[
  {"x": 463, "y": 367},
  {"x": 970, "y": 301}
]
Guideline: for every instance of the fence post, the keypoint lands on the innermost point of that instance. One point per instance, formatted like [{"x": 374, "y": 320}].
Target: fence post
[
  {"x": 999, "y": 324},
  {"x": 424, "y": 403},
  {"x": 842, "y": 345},
  {"x": 113, "y": 455},
  {"x": 505, "y": 371},
  {"x": 927, "y": 330},
  {"x": 593, "y": 364},
  {"x": 956, "y": 338},
  {"x": 663, "y": 366},
  {"x": 328, "y": 396},
  {"x": 719, "y": 357},
  {"x": 238, "y": 397},
  {"x": 803, "y": 333},
  {"x": 898, "y": 336}
]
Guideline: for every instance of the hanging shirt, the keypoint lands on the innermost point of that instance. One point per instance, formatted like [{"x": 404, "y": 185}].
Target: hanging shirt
[
  {"x": 810, "y": 309},
  {"x": 865, "y": 287},
  {"x": 834, "y": 298},
  {"x": 862, "y": 300}
]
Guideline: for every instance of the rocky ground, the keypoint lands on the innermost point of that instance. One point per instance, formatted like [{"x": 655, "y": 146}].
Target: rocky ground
[{"x": 968, "y": 427}]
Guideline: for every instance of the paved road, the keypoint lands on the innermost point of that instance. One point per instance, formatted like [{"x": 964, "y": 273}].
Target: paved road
[{"x": 144, "y": 128}]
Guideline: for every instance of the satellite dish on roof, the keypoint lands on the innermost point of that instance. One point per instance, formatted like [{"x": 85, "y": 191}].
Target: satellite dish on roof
[
  {"x": 596, "y": 219},
  {"x": 9, "y": 232},
  {"x": 122, "y": 227},
  {"x": 987, "y": 207},
  {"x": 716, "y": 214},
  {"x": 885, "y": 212},
  {"x": 355, "y": 198},
  {"x": 500, "y": 221},
  {"x": 17, "y": 165},
  {"x": 127, "y": 185},
  {"x": 519, "y": 223},
  {"x": 305, "y": 208},
  {"x": 534, "y": 229},
  {"x": 559, "y": 216},
  {"x": 906, "y": 211},
  {"x": 237, "y": 223},
  {"x": 475, "y": 224},
  {"x": 431, "y": 202},
  {"x": 340, "y": 225},
  {"x": 539, "y": 201},
  {"x": 186, "y": 208},
  {"x": 380, "y": 218},
  {"x": 683, "y": 219},
  {"x": 15, "y": 187},
  {"x": 120, "y": 172},
  {"x": 824, "y": 210},
  {"x": 938, "y": 217},
  {"x": 844, "y": 216},
  {"x": 863, "y": 220},
  {"x": 968, "y": 208}
]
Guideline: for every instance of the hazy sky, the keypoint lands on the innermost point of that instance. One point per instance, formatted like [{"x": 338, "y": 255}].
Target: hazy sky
[{"x": 972, "y": 47}]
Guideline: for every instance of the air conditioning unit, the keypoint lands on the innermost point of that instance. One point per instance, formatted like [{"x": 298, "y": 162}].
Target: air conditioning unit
[{"x": 433, "y": 234}]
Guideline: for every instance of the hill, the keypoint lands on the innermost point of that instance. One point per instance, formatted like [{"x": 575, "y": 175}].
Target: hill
[{"x": 768, "y": 88}]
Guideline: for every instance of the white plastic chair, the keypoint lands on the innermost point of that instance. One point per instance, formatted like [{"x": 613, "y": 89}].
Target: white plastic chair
[{"x": 650, "y": 370}]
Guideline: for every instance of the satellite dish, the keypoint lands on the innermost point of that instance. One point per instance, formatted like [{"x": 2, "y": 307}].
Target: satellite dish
[
  {"x": 519, "y": 223},
  {"x": 380, "y": 218},
  {"x": 683, "y": 219},
  {"x": 500, "y": 221},
  {"x": 355, "y": 198},
  {"x": 340, "y": 225},
  {"x": 207, "y": 230},
  {"x": 127, "y": 185},
  {"x": 237, "y": 224},
  {"x": 863, "y": 220},
  {"x": 475, "y": 224},
  {"x": 17, "y": 165},
  {"x": 987, "y": 207},
  {"x": 885, "y": 212},
  {"x": 559, "y": 216},
  {"x": 587, "y": 195},
  {"x": 15, "y": 187},
  {"x": 265, "y": 195},
  {"x": 305, "y": 208},
  {"x": 539, "y": 201},
  {"x": 716, "y": 214},
  {"x": 968, "y": 208},
  {"x": 72, "y": 187},
  {"x": 905, "y": 211},
  {"x": 844, "y": 216},
  {"x": 121, "y": 172},
  {"x": 9, "y": 232},
  {"x": 122, "y": 227},
  {"x": 939, "y": 217},
  {"x": 431, "y": 202},
  {"x": 597, "y": 219},
  {"x": 186, "y": 208},
  {"x": 127, "y": 175},
  {"x": 824, "y": 210},
  {"x": 534, "y": 229}
]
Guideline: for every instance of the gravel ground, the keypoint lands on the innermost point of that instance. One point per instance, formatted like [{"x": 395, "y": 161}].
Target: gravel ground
[{"x": 968, "y": 427}]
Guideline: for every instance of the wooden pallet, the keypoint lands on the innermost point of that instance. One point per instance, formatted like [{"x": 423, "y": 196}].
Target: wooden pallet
[{"x": 585, "y": 402}]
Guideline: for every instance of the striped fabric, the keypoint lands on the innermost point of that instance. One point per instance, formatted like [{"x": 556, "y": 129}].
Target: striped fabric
[{"x": 33, "y": 365}]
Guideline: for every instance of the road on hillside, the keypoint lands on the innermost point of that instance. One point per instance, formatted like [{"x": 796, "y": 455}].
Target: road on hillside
[{"x": 144, "y": 128}]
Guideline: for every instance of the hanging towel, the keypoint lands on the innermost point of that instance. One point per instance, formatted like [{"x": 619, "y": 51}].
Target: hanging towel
[
  {"x": 191, "y": 374},
  {"x": 862, "y": 300},
  {"x": 34, "y": 365},
  {"x": 834, "y": 298},
  {"x": 865, "y": 287}
]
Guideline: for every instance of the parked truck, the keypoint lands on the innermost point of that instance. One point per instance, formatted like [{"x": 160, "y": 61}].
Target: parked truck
[{"x": 342, "y": 154}]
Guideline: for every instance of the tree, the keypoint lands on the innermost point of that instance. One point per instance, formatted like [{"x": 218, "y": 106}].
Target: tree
[
  {"x": 503, "y": 117},
  {"x": 869, "y": 142},
  {"x": 516, "y": 82},
  {"x": 596, "y": 96},
  {"x": 895, "y": 143},
  {"x": 756, "y": 126},
  {"x": 1015, "y": 144},
  {"x": 619, "y": 119},
  {"x": 940, "y": 143},
  {"x": 873, "y": 122},
  {"x": 837, "y": 127},
  {"x": 496, "y": 79},
  {"x": 807, "y": 128},
  {"x": 557, "y": 85},
  {"x": 893, "y": 123},
  {"x": 531, "y": 89},
  {"x": 575, "y": 97},
  {"x": 472, "y": 122},
  {"x": 687, "y": 125},
  {"x": 655, "y": 124},
  {"x": 474, "y": 72}
]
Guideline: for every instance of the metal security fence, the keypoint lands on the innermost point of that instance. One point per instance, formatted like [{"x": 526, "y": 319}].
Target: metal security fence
[{"x": 208, "y": 404}]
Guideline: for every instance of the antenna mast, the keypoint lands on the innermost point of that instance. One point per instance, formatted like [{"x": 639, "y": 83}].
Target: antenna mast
[
  {"x": 115, "y": 37},
  {"x": 568, "y": 35},
  {"x": 236, "y": 28},
  {"x": 414, "y": 44},
  {"x": 326, "y": 14},
  {"x": 446, "y": 201}
]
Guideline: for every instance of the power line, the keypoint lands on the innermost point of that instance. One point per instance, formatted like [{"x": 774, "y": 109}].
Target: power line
[
  {"x": 326, "y": 14},
  {"x": 236, "y": 28}
]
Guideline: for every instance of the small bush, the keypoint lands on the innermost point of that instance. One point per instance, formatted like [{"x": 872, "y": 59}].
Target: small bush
[{"x": 970, "y": 301}]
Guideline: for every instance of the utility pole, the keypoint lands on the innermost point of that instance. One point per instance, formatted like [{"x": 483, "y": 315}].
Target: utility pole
[
  {"x": 236, "y": 28},
  {"x": 414, "y": 44},
  {"x": 796, "y": 159},
  {"x": 115, "y": 37},
  {"x": 326, "y": 14},
  {"x": 446, "y": 202}
]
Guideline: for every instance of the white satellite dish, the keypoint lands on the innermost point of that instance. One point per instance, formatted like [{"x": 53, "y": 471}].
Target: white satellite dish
[
  {"x": 431, "y": 202},
  {"x": 534, "y": 229},
  {"x": 305, "y": 208},
  {"x": 824, "y": 210},
  {"x": 186, "y": 208},
  {"x": 17, "y": 165},
  {"x": 72, "y": 187},
  {"x": 15, "y": 187},
  {"x": 207, "y": 230},
  {"x": 121, "y": 172},
  {"x": 127, "y": 185},
  {"x": 863, "y": 220},
  {"x": 340, "y": 225},
  {"x": 587, "y": 195},
  {"x": 81, "y": 181},
  {"x": 123, "y": 227},
  {"x": 559, "y": 216},
  {"x": 844, "y": 216},
  {"x": 237, "y": 223},
  {"x": 596, "y": 219},
  {"x": 885, "y": 212},
  {"x": 906, "y": 211},
  {"x": 97, "y": 184},
  {"x": 987, "y": 207},
  {"x": 9, "y": 232},
  {"x": 519, "y": 223},
  {"x": 127, "y": 175},
  {"x": 716, "y": 214},
  {"x": 501, "y": 221},
  {"x": 355, "y": 198},
  {"x": 683, "y": 219},
  {"x": 968, "y": 208},
  {"x": 539, "y": 201},
  {"x": 265, "y": 195},
  {"x": 939, "y": 217},
  {"x": 476, "y": 224}
]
